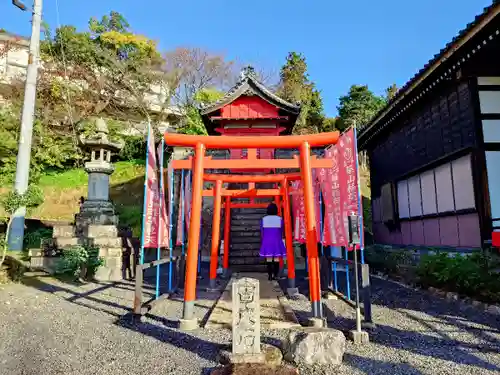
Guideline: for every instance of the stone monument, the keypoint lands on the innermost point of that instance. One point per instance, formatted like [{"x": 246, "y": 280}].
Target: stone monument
[
  {"x": 246, "y": 321},
  {"x": 96, "y": 223},
  {"x": 97, "y": 208}
]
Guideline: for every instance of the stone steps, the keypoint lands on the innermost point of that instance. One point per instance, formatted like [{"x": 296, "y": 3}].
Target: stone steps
[
  {"x": 246, "y": 253},
  {"x": 245, "y": 246}
]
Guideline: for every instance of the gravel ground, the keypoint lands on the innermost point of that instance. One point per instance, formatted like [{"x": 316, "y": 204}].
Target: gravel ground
[
  {"x": 50, "y": 327},
  {"x": 415, "y": 333}
]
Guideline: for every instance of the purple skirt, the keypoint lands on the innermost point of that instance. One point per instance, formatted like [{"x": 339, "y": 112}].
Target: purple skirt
[{"x": 271, "y": 243}]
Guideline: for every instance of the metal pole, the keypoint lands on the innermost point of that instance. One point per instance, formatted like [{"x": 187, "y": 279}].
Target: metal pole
[
  {"x": 16, "y": 234},
  {"x": 347, "y": 280},
  {"x": 358, "y": 310}
]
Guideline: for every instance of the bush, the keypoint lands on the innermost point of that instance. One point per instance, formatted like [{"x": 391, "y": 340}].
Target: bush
[
  {"x": 474, "y": 275},
  {"x": 134, "y": 148},
  {"x": 34, "y": 239},
  {"x": 79, "y": 262},
  {"x": 387, "y": 260}
]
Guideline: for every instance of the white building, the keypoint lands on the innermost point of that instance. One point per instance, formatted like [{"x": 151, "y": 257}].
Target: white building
[{"x": 14, "y": 53}]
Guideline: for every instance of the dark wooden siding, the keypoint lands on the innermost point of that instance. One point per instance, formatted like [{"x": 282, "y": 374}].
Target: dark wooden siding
[{"x": 438, "y": 128}]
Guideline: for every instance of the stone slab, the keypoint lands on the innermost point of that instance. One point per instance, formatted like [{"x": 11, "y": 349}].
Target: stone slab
[
  {"x": 113, "y": 242},
  {"x": 60, "y": 231},
  {"x": 63, "y": 242},
  {"x": 96, "y": 231},
  {"x": 254, "y": 368},
  {"x": 275, "y": 311},
  {"x": 246, "y": 320}
]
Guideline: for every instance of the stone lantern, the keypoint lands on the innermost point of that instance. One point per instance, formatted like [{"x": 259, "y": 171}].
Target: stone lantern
[
  {"x": 97, "y": 208},
  {"x": 96, "y": 223}
]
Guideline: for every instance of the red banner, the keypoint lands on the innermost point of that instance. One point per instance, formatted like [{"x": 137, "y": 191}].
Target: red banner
[
  {"x": 349, "y": 174},
  {"x": 180, "y": 216},
  {"x": 299, "y": 213},
  {"x": 334, "y": 229},
  {"x": 317, "y": 201},
  {"x": 187, "y": 199},
  {"x": 155, "y": 222},
  {"x": 340, "y": 188}
]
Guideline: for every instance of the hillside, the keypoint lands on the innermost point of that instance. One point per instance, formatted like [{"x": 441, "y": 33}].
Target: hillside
[{"x": 63, "y": 190}]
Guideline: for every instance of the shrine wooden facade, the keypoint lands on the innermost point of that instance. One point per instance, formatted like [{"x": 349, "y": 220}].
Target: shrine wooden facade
[
  {"x": 435, "y": 149},
  {"x": 250, "y": 109}
]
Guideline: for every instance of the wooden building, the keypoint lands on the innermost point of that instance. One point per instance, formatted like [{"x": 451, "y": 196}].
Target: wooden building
[
  {"x": 249, "y": 109},
  {"x": 434, "y": 150}
]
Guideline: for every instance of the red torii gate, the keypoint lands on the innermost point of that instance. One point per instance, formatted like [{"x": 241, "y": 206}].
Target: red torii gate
[{"x": 305, "y": 162}]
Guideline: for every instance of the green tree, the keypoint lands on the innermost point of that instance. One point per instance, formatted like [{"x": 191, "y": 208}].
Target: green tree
[
  {"x": 208, "y": 95},
  {"x": 295, "y": 86},
  {"x": 359, "y": 106},
  {"x": 106, "y": 70},
  {"x": 329, "y": 124},
  {"x": 391, "y": 92}
]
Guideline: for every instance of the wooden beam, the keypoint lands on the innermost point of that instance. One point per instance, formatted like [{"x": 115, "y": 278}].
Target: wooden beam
[
  {"x": 291, "y": 141},
  {"x": 210, "y": 163},
  {"x": 242, "y": 178},
  {"x": 249, "y": 205},
  {"x": 247, "y": 193}
]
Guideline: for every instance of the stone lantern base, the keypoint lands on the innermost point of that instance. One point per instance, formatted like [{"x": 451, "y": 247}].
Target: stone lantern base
[{"x": 104, "y": 237}]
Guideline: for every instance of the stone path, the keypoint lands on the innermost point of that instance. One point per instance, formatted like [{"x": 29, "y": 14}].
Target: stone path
[
  {"x": 52, "y": 328},
  {"x": 275, "y": 312},
  {"x": 416, "y": 333}
]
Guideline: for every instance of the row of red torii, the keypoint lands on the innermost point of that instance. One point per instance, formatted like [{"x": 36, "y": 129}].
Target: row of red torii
[{"x": 305, "y": 162}]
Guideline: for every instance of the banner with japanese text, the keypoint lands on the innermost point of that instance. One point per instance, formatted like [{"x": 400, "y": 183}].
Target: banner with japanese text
[
  {"x": 317, "y": 201},
  {"x": 164, "y": 224},
  {"x": 333, "y": 228},
  {"x": 341, "y": 189},
  {"x": 187, "y": 199},
  {"x": 180, "y": 213},
  {"x": 298, "y": 212},
  {"x": 155, "y": 231},
  {"x": 348, "y": 172}
]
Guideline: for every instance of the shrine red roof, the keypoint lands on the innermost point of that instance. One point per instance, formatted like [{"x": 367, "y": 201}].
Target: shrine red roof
[{"x": 249, "y": 85}]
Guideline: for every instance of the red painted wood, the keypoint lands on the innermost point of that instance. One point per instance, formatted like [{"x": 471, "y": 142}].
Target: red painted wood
[
  {"x": 495, "y": 239},
  {"x": 249, "y": 131},
  {"x": 249, "y": 107}
]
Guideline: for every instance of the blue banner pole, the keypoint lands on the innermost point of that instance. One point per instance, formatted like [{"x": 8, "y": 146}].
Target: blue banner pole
[
  {"x": 171, "y": 214},
  {"x": 360, "y": 202},
  {"x": 161, "y": 194},
  {"x": 144, "y": 207},
  {"x": 347, "y": 281},
  {"x": 334, "y": 265}
]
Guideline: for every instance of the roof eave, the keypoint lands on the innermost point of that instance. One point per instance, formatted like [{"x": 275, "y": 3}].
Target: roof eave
[
  {"x": 414, "y": 83},
  {"x": 259, "y": 90}
]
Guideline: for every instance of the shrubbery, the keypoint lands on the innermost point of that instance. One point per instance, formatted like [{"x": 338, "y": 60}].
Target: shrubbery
[
  {"x": 79, "y": 262},
  {"x": 476, "y": 275}
]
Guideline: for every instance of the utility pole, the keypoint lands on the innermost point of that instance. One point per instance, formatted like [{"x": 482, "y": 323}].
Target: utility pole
[{"x": 16, "y": 234}]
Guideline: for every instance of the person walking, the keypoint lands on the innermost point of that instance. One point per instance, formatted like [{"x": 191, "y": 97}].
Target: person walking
[{"x": 271, "y": 240}]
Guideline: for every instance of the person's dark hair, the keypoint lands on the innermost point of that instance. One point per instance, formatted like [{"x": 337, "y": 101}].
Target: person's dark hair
[{"x": 272, "y": 209}]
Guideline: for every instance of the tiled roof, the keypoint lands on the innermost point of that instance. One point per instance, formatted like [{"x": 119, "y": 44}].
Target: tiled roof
[
  {"x": 249, "y": 84},
  {"x": 450, "y": 48}
]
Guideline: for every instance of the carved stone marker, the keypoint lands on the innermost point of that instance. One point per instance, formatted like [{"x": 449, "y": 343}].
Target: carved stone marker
[{"x": 246, "y": 321}]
